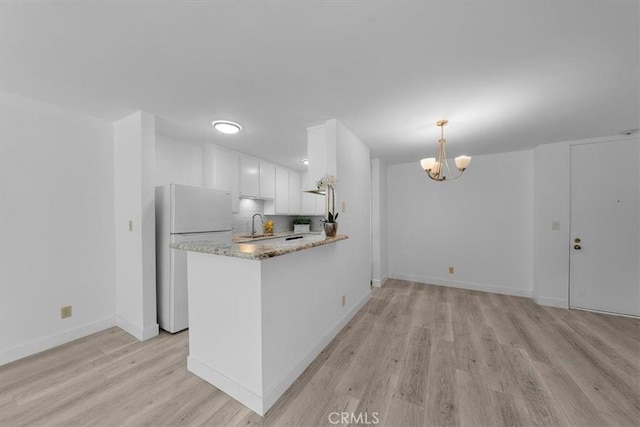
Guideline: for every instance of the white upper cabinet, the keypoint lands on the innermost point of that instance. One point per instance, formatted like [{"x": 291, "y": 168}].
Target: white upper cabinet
[
  {"x": 312, "y": 204},
  {"x": 267, "y": 180},
  {"x": 221, "y": 169},
  {"x": 282, "y": 191},
  {"x": 295, "y": 193},
  {"x": 249, "y": 177},
  {"x": 308, "y": 205}
]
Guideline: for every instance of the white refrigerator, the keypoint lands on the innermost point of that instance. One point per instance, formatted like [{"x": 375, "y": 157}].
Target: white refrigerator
[{"x": 184, "y": 213}]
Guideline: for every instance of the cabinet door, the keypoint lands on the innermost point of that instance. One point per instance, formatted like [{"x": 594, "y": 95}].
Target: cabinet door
[
  {"x": 267, "y": 180},
  {"x": 318, "y": 153},
  {"x": 294, "y": 193},
  {"x": 321, "y": 204},
  {"x": 227, "y": 175},
  {"x": 308, "y": 200},
  {"x": 222, "y": 170},
  {"x": 282, "y": 191},
  {"x": 249, "y": 177}
]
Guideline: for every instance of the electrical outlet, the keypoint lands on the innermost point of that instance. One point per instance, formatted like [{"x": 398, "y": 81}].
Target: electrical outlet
[
  {"x": 130, "y": 225},
  {"x": 66, "y": 312},
  {"x": 450, "y": 270},
  {"x": 555, "y": 225},
  {"x": 344, "y": 300}
]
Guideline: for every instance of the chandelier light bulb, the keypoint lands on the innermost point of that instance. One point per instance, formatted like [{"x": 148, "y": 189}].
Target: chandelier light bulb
[
  {"x": 427, "y": 164},
  {"x": 462, "y": 162},
  {"x": 436, "y": 168}
]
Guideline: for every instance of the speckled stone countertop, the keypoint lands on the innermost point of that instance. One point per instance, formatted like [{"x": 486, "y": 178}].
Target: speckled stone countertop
[
  {"x": 243, "y": 238},
  {"x": 260, "y": 249}
]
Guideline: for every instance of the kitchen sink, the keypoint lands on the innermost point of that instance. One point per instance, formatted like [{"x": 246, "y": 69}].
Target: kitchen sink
[{"x": 249, "y": 236}]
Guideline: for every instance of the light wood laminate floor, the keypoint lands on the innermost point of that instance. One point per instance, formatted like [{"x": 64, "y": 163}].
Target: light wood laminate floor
[{"x": 415, "y": 355}]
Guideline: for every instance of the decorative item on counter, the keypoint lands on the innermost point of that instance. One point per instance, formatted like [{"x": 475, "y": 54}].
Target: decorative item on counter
[
  {"x": 268, "y": 227},
  {"x": 301, "y": 225},
  {"x": 329, "y": 224}
]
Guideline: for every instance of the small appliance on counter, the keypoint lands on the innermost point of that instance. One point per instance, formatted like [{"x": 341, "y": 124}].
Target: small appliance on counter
[{"x": 184, "y": 213}]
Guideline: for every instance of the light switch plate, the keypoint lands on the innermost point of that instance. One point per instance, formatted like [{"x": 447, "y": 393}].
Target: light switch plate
[{"x": 555, "y": 225}]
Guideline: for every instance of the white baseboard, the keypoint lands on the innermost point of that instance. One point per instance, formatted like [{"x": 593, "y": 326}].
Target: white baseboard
[
  {"x": 550, "y": 302},
  {"x": 261, "y": 404},
  {"x": 379, "y": 283},
  {"x": 608, "y": 313},
  {"x": 272, "y": 395},
  {"x": 137, "y": 331},
  {"x": 240, "y": 393},
  {"x": 42, "y": 344},
  {"x": 463, "y": 285}
]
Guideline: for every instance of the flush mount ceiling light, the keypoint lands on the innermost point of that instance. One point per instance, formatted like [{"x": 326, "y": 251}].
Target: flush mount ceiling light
[
  {"x": 305, "y": 162},
  {"x": 435, "y": 167},
  {"x": 225, "y": 126}
]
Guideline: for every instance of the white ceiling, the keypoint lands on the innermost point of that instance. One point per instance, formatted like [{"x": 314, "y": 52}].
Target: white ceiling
[{"x": 507, "y": 75}]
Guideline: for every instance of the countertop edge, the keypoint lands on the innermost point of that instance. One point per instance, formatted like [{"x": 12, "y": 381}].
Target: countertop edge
[{"x": 236, "y": 250}]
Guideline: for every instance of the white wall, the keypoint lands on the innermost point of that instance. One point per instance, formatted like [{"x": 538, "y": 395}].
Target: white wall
[
  {"x": 134, "y": 201},
  {"x": 379, "y": 231},
  {"x": 551, "y": 199},
  {"x": 552, "y": 202},
  {"x": 480, "y": 224},
  {"x": 57, "y": 242},
  {"x": 177, "y": 162},
  {"x": 353, "y": 188}
]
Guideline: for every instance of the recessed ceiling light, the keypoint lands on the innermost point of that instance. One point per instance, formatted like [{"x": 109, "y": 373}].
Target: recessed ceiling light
[
  {"x": 225, "y": 126},
  {"x": 305, "y": 161}
]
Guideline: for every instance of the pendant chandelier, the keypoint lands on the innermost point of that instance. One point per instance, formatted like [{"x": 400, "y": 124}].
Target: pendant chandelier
[{"x": 435, "y": 167}]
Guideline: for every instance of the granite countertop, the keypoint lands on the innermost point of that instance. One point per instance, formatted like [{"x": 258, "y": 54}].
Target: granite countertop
[
  {"x": 243, "y": 238},
  {"x": 260, "y": 249}
]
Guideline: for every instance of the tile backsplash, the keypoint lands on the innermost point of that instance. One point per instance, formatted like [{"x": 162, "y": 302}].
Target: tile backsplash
[{"x": 241, "y": 221}]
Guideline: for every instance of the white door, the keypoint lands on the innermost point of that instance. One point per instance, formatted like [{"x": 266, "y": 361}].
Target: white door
[{"x": 605, "y": 227}]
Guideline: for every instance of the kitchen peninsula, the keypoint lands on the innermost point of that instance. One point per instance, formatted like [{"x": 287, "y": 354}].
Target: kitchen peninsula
[{"x": 261, "y": 311}]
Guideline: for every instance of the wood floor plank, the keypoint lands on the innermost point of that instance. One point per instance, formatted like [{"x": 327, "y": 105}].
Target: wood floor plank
[
  {"x": 443, "y": 321},
  {"x": 512, "y": 411},
  {"x": 377, "y": 398},
  {"x": 475, "y": 406},
  {"x": 442, "y": 397},
  {"x": 412, "y": 383},
  {"x": 415, "y": 355},
  {"x": 403, "y": 413},
  {"x": 534, "y": 349},
  {"x": 629, "y": 393},
  {"x": 539, "y": 402},
  {"x": 576, "y": 405}
]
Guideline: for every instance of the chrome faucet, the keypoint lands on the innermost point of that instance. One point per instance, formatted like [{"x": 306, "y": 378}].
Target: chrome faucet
[{"x": 253, "y": 223}]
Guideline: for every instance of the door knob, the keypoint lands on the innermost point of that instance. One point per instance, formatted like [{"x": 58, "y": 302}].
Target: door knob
[{"x": 577, "y": 247}]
